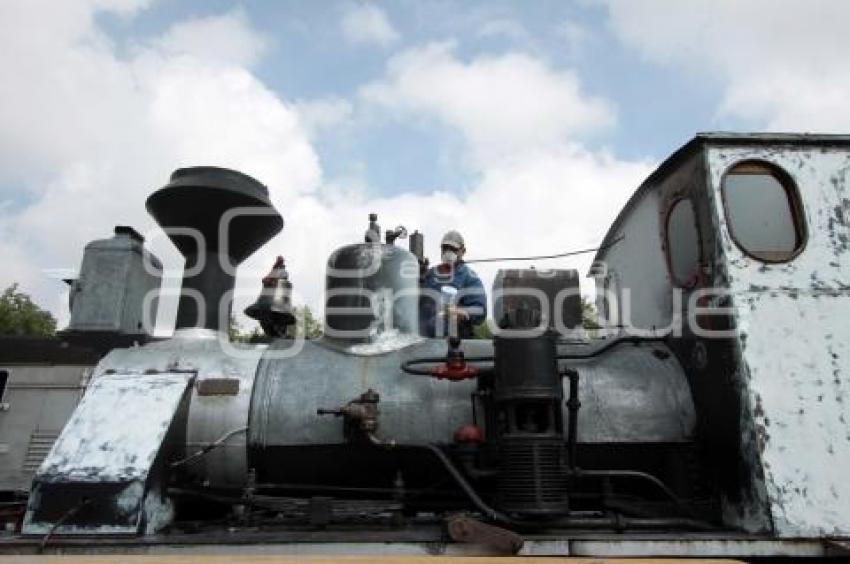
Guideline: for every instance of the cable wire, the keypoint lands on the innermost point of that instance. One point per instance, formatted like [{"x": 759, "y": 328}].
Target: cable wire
[
  {"x": 545, "y": 257},
  {"x": 213, "y": 445}
]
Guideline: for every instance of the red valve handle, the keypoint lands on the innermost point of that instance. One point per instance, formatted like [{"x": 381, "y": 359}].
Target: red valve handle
[{"x": 454, "y": 371}]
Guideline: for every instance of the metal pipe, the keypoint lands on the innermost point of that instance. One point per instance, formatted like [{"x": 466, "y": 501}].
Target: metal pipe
[
  {"x": 479, "y": 503},
  {"x": 349, "y": 489},
  {"x": 617, "y": 522},
  {"x": 620, "y": 523},
  {"x": 611, "y": 344},
  {"x": 416, "y": 244},
  {"x": 573, "y": 405},
  {"x": 408, "y": 365},
  {"x": 579, "y": 473}
]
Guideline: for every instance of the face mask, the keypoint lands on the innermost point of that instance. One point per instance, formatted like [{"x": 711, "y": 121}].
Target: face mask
[{"x": 449, "y": 257}]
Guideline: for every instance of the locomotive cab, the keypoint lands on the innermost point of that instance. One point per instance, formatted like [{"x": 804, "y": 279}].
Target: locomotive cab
[{"x": 748, "y": 277}]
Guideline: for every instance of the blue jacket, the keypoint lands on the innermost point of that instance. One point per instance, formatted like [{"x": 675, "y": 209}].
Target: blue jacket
[{"x": 471, "y": 298}]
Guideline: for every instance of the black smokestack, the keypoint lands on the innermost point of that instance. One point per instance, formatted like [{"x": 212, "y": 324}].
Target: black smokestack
[{"x": 199, "y": 198}]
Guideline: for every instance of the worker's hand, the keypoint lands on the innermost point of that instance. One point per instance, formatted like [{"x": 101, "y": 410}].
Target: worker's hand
[{"x": 458, "y": 313}]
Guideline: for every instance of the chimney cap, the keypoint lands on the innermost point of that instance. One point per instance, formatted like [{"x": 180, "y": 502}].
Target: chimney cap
[
  {"x": 202, "y": 197},
  {"x": 219, "y": 177}
]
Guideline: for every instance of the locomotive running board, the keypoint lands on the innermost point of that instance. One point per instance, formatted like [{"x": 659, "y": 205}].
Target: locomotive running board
[{"x": 103, "y": 473}]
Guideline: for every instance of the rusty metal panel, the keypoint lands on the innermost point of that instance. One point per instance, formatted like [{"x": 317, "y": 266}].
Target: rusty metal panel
[{"x": 217, "y": 386}]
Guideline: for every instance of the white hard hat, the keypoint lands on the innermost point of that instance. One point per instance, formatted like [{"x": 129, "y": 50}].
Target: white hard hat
[{"x": 453, "y": 239}]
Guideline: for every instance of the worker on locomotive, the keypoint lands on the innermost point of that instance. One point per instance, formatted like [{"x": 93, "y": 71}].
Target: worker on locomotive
[{"x": 454, "y": 300}]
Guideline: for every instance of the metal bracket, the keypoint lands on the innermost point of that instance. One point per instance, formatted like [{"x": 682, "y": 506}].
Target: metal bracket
[{"x": 463, "y": 528}]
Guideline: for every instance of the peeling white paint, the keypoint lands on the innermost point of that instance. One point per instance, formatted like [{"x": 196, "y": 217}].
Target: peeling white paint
[
  {"x": 789, "y": 362},
  {"x": 158, "y": 512},
  {"x": 794, "y": 324},
  {"x": 117, "y": 430},
  {"x": 209, "y": 416}
]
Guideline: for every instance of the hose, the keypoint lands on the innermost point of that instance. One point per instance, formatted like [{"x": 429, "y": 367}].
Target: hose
[
  {"x": 61, "y": 521},
  {"x": 204, "y": 451}
]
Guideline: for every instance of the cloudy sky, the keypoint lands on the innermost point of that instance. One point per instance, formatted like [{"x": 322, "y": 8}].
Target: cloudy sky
[{"x": 524, "y": 124}]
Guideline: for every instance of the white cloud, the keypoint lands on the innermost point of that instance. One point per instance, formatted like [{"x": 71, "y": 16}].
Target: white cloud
[
  {"x": 557, "y": 200},
  {"x": 504, "y": 106},
  {"x": 365, "y": 23},
  {"x": 319, "y": 115},
  {"x": 781, "y": 63},
  {"x": 93, "y": 134},
  {"x": 539, "y": 191},
  {"x": 225, "y": 38},
  {"x": 575, "y": 36},
  {"x": 503, "y": 27}
]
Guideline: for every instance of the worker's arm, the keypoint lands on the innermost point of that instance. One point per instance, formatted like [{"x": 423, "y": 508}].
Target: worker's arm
[{"x": 473, "y": 299}]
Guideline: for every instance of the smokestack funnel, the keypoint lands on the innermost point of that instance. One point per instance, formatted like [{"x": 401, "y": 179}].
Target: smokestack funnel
[{"x": 200, "y": 198}]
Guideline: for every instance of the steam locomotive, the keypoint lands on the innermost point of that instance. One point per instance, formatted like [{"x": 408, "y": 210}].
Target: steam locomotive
[{"x": 710, "y": 418}]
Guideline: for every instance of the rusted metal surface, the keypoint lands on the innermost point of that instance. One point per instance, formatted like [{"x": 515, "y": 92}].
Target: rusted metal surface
[
  {"x": 310, "y": 545},
  {"x": 217, "y": 386},
  {"x": 335, "y": 559},
  {"x": 463, "y": 528},
  {"x": 795, "y": 343}
]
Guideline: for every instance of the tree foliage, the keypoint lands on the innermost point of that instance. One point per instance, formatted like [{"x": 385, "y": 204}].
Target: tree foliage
[
  {"x": 238, "y": 334},
  {"x": 482, "y": 331},
  {"x": 307, "y": 326},
  {"x": 19, "y": 315},
  {"x": 589, "y": 315}
]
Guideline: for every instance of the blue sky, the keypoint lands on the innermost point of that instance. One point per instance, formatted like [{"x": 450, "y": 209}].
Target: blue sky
[
  {"x": 658, "y": 107},
  {"x": 525, "y": 124}
]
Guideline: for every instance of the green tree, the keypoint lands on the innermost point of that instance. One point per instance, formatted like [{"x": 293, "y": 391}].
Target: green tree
[
  {"x": 482, "y": 331},
  {"x": 589, "y": 315},
  {"x": 19, "y": 315},
  {"x": 238, "y": 334},
  {"x": 306, "y": 325}
]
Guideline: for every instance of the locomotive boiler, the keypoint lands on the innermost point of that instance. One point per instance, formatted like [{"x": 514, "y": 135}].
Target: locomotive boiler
[{"x": 535, "y": 435}]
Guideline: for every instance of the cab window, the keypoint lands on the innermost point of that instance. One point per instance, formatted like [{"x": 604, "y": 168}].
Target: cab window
[
  {"x": 763, "y": 211},
  {"x": 683, "y": 247}
]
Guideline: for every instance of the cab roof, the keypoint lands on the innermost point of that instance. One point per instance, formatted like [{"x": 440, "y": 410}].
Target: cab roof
[{"x": 698, "y": 143}]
